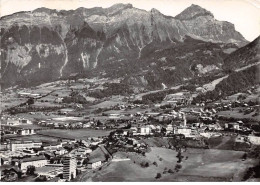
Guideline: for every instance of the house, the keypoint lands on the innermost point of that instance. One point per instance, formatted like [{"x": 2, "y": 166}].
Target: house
[
  {"x": 60, "y": 151},
  {"x": 145, "y": 130},
  {"x": 97, "y": 157},
  {"x": 86, "y": 125},
  {"x": 158, "y": 128},
  {"x": 234, "y": 126},
  {"x": 12, "y": 121},
  {"x": 134, "y": 130},
  {"x": 81, "y": 152},
  {"x": 25, "y": 121},
  {"x": 133, "y": 142},
  {"x": 25, "y": 132},
  {"x": 169, "y": 129},
  {"x": 9, "y": 173},
  {"x": 5, "y": 161},
  {"x": 58, "y": 100},
  {"x": 254, "y": 139}
]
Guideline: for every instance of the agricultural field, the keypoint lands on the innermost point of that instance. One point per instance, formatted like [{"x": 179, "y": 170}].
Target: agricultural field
[
  {"x": 74, "y": 134},
  {"x": 10, "y": 100},
  {"x": 238, "y": 115},
  {"x": 197, "y": 165},
  {"x": 36, "y": 138},
  {"x": 111, "y": 102}
]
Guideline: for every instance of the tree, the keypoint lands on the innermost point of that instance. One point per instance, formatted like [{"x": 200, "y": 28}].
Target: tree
[
  {"x": 144, "y": 164},
  {"x": 99, "y": 123},
  {"x": 107, "y": 156},
  {"x": 30, "y": 170},
  {"x": 178, "y": 167},
  {"x": 41, "y": 178},
  {"x": 155, "y": 163},
  {"x": 30, "y": 101},
  {"x": 85, "y": 161},
  {"x": 158, "y": 175}
]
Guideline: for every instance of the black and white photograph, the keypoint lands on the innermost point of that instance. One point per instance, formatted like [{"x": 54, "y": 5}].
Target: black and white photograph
[{"x": 130, "y": 91}]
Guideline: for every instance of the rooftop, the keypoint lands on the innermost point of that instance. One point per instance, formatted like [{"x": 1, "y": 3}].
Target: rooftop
[
  {"x": 98, "y": 155},
  {"x": 38, "y": 158}
]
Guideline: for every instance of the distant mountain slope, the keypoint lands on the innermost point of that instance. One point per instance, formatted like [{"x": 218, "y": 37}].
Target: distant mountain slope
[
  {"x": 244, "y": 56},
  {"x": 45, "y": 45},
  {"x": 237, "y": 81}
]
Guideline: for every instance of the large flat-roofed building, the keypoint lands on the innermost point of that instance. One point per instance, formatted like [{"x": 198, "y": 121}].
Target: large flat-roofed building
[
  {"x": 183, "y": 130},
  {"x": 69, "y": 167},
  {"x": 20, "y": 145},
  {"x": 50, "y": 170},
  {"x": 18, "y": 121},
  {"x": 39, "y": 161},
  {"x": 21, "y": 129},
  {"x": 180, "y": 97}
]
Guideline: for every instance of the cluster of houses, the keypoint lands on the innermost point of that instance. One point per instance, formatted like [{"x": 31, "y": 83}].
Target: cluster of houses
[{"x": 58, "y": 159}]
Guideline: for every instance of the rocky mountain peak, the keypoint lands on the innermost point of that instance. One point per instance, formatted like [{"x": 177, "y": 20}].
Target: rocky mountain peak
[
  {"x": 44, "y": 10},
  {"x": 155, "y": 11},
  {"x": 118, "y": 7},
  {"x": 193, "y": 11}
]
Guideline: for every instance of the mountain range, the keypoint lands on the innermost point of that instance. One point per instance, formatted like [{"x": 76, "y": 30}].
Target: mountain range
[{"x": 141, "y": 48}]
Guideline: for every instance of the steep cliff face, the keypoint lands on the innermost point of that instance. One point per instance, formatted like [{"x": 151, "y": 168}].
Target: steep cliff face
[
  {"x": 45, "y": 45},
  {"x": 31, "y": 54},
  {"x": 201, "y": 23}
]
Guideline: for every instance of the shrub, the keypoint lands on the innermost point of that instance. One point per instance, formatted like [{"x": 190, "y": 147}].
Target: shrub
[
  {"x": 41, "y": 179},
  {"x": 178, "y": 167},
  {"x": 144, "y": 164},
  {"x": 155, "y": 163},
  {"x": 158, "y": 175}
]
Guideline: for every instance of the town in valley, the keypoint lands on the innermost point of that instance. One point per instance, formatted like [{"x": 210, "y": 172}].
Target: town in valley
[{"x": 185, "y": 109}]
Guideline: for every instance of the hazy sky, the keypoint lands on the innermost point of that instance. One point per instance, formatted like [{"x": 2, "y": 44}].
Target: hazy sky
[{"x": 245, "y": 14}]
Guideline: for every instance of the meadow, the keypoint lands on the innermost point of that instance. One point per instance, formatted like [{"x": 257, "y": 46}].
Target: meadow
[{"x": 197, "y": 165}]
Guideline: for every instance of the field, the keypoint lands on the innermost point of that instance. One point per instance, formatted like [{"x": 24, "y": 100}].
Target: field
[
  {"x": 237, "y": 115},
  {"x": 36, "y": 137},
  {"x": 197, "y": 165},
  {"x": 74, "y": 134}
]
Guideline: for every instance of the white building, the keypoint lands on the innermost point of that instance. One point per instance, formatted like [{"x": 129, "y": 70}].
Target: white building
[
  {"x": 145, "y": 130},
  {"x": 14, "y": 146},
  {"x": 69, "y": 167},
  {"x": 33, "y": 161},
  {"x": 183, "y": 130},
  {"x": 25, "y": 132},
  {"x": 254, "y": 140},
  {"x": 49, "y": 171},
  {"x": 18, "y": 121},
  {"x": 96, "y": 164},
  {"x": 169, "y": 129}
]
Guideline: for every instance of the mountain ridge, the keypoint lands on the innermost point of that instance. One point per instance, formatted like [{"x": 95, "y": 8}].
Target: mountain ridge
[{"x": 59, "y": 43}]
